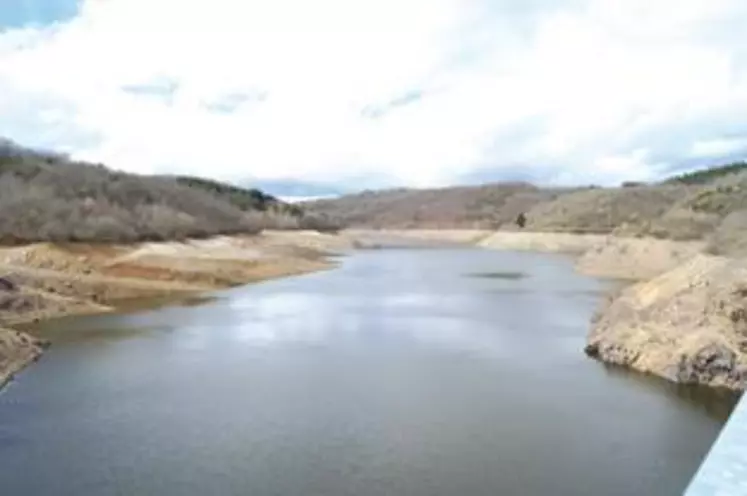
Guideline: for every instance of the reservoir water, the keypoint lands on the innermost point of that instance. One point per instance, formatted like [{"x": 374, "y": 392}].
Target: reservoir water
[{"x": 403, "y": 372}]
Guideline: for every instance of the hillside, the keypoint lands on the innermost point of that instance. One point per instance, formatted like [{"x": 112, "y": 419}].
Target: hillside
[
  {"x": 706, "y": 205},
  {"x": 243, "y": 198},
  {"x": 476, "y": 207},
  {"x": 47, "y": 197},
  {"x": 274, "y": 213}
]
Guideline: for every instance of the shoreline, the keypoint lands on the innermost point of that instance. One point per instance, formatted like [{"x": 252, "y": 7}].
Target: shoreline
[
  {"x": 681, "y": 314},
  {"x": 662, "y": 322},
  {"x": 55, "y": 281}
]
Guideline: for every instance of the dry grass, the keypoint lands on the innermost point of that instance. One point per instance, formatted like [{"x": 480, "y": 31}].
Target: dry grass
[
  {"x": 603, "y": 210},
  {"x": 476, "y": 207},
  {"x": 676, "y": 210}
]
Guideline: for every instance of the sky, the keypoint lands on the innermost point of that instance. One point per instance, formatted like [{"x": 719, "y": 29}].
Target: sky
[{"x": 329, "y": 96}]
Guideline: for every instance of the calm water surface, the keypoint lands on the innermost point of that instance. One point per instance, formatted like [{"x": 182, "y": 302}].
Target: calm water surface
[{"x": 402, "y": 373}]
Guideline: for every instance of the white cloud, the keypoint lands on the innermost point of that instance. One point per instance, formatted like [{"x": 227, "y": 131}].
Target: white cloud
[
  {"x": 423, "y": 91},
  {"x": 721, "y": 146}
]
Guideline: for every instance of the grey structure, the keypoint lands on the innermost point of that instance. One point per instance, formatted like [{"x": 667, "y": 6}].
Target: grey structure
[{"x": 724, "y": 470}]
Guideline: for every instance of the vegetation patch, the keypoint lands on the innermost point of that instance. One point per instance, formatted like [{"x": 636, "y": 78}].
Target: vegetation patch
[
  {"x": 705, "y": 176},
  {"x": 46, "y": 197}
]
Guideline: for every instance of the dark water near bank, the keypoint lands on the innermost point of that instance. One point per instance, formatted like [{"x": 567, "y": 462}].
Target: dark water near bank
[{"x": 405, "y": 372}]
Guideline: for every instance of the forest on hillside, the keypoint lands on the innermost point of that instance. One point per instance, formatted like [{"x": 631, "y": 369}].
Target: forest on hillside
[{"x": 49, "y": 197}]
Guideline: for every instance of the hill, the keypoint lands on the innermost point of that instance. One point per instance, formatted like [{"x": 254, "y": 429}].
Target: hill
[
  {"x": 708, "y": 205},
  {"x": 490, "y": 206},
  {"x": 48, "y": 197}
]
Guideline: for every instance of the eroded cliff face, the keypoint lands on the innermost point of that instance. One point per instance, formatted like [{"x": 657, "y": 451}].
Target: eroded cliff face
[{"x": 688, "y": 325}]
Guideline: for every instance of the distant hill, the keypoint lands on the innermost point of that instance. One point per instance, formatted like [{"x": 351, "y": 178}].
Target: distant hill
[
  {"x": 48, "y": 197},
  {"x": 488, "y": 206},
  {"x": 710, "y": 204}
]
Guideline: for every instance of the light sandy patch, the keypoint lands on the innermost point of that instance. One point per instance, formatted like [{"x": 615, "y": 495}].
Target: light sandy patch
[
  {"x": 543, "y": 242},
  {"x": 636, "y": 258},
  {"x": 367, "y": 238}
]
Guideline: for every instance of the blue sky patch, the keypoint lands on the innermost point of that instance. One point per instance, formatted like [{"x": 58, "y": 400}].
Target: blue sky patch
[
  {"x": 226, "y": 104},
  {"x": 23, "y": 13},
  {"x": 407, "y": 98},
  {"x": 163, "y": 90},
  {"x": 294, "y": 187}
]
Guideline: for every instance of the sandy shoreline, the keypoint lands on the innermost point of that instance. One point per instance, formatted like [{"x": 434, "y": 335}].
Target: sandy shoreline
[
  {"x": 641, "y": 327},
  {"x": 52, "y": 281}
]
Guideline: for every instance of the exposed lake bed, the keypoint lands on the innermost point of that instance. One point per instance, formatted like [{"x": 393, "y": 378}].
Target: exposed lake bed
[{"x": 397, "y": 373}]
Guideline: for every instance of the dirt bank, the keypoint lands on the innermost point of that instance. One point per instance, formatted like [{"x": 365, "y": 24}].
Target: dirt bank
[
  {"x": 43, "y": 280},
  {"x": 543, "y": 242},
  {"x": 608, "y": 256},
  {"x": 636, "y": 259},
  {"x": 688, "y": 325},
  {"x": 381, "y": 238}
]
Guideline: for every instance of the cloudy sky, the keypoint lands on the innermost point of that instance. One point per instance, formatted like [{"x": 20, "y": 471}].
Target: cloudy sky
[{"x": 336, "y": 95}]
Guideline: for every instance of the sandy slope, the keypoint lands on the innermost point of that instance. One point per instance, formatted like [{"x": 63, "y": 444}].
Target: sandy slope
[
  {"x": 636, "y": 259},
  {"x": 369, "y": 238},
  {"x": 542, "y": 242}
]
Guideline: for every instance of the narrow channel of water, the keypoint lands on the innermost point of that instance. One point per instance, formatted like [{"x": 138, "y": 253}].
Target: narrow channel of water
[{"x": 404, "y": 372}]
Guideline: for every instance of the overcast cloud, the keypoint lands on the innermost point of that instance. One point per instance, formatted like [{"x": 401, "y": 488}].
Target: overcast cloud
[{"x": 386, "y": 92}]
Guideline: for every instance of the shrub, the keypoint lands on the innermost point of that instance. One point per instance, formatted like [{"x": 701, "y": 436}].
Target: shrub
[{"x": 43, "y": 199}]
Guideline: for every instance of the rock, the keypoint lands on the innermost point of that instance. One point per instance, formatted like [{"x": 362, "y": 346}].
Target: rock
[
  {"x": 592, "y": 349},
  {"x": 711, "y": 363},
  {"x": 688, "y": 325},
  {"x": 7, "y": 285}
]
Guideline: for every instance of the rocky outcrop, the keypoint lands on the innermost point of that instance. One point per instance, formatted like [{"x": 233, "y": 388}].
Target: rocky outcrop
[
  {"x": 17, "y": 350},
  {"x": 688, "y": 325}
]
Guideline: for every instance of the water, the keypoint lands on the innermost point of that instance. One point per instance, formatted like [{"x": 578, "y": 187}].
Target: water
[{"x": 405, "y": 372}]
